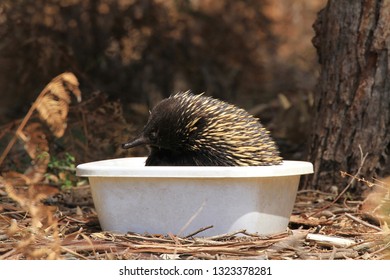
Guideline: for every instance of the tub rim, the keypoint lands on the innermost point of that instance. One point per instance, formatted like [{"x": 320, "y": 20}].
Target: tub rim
[{"x": 131, "y": 167}]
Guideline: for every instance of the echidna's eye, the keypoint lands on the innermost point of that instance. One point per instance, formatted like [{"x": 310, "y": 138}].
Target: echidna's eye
[{"x": 153, "y": 135}]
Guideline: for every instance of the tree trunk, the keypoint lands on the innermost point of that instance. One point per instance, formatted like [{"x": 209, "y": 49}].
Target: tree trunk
[{"x": 352, "y": 102}]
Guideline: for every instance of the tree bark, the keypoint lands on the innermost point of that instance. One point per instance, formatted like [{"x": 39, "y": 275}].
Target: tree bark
[{"x": 352, "y": 101}]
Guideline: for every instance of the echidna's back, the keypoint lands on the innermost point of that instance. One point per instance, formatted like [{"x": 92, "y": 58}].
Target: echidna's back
[{"x": 222, "y": 134}]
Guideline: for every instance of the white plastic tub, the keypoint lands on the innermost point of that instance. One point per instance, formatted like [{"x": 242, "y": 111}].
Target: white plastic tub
[{"x": 129, "y": 196}]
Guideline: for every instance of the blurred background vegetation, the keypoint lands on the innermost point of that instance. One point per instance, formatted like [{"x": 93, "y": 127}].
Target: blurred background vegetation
[{"x": 129, "y": 54}]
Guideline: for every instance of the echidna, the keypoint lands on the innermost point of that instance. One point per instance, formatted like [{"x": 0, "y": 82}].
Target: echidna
[{"x": 187, "y": 129}]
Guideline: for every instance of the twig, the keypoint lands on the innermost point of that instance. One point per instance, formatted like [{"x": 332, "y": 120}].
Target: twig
[
  {"x": 198, "y": 231},
  {"x": 85, "y": 128},
  {"x": 3, "y": 237},
  {"x": 333, "y": 253},
  {"x": 74, "y": 253},
  {"x": 362, "y": 222},
  {"x": 131, "y": 237},
  {"x": 20, "y": 128},
  {"x": 174, "y": 238},
  {"x": 74, "y": 220},
  {"x": 86, "y": 238},
  {"x": 367, "y": 246},
  {"x": 327, "y": 255},
  {"x": 227, "y": 235},
  {"x": 362, "y": 160},
  {"x": 314, "y": 191},
  {"x": 192, "y": 218},
  {"x": 385, "y": 247},
  {"x": 9, "y": 253}
]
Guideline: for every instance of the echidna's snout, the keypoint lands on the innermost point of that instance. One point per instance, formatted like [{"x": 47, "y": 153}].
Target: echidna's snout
[{"x": 141, "y": 140}]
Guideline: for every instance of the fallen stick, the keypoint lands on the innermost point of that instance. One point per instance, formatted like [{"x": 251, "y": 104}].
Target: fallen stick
[
  {"x": 350, "y": 254},
  {"x": 226, "y": 235},
  {"x": 362, "y": 222},
  {"x": 330, "y": 241},
  {"x": 198, "y": 231}
]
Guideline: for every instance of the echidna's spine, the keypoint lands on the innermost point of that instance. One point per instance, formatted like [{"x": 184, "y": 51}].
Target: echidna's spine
[{"x": 225, "y": 133}]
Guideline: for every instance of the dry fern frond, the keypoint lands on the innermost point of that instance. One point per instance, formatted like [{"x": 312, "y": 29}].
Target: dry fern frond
[
  {"x": 36, "y": 172},
  {"x": 36, "y": 141},
  {"x": 15, "y": 178},
  {"x": 37, "y": 147},
  {"x": 53, "y": 104}
]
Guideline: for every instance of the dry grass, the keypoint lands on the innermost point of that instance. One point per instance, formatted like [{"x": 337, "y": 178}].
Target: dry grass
[{"x": 33, "y": 231}]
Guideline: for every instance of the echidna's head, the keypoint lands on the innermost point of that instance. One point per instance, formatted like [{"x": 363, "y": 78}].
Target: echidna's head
[{"x": 171, "y": 126}]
